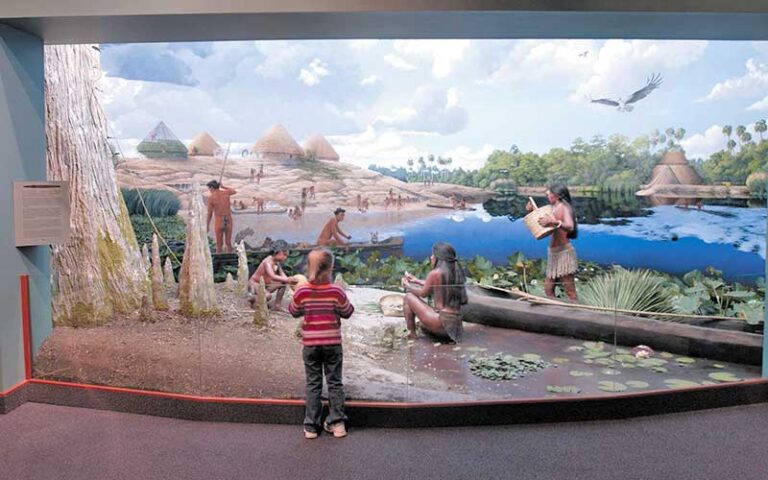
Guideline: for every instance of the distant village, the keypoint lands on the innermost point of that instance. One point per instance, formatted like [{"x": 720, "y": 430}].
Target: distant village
[{"x": 275, "y": 144}]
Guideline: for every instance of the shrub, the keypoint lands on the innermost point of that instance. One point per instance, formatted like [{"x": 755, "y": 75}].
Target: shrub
[
  {"x": 160, "y": 203},
  {"x": 639, "y": 290}
]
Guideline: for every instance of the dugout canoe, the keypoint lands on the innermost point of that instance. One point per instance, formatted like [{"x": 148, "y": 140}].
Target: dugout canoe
[
  {"x": 507, "y": 309},
  {"x": 449, "y": 207},
  {"x": 388, "y": 246},
  {"x": 252, "y": 211}
]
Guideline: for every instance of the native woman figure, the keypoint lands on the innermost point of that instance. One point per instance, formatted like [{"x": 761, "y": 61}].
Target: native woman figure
[{"x": 445, "y": 285}]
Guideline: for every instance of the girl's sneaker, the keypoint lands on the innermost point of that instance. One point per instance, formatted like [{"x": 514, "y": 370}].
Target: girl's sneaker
[
  {"x": 309, "y": 434},
  {"x": 337, "y": 429}
]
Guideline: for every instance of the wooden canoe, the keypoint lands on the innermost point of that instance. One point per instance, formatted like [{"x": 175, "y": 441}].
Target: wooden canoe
[
  {"x": 449, "y": 207},
  {"x": 388, "y": 246},
  {"x": 498, "y": 308},
  {"x": 252, "y": 211}
]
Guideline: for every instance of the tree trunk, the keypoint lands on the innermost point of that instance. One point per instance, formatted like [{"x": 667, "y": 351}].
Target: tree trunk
[
  {"x": 168, "y": 277},
  {"x": 158, "y": 290},
  {"x": 197, "y": 296},
  {"x": 99, "y": 273}
]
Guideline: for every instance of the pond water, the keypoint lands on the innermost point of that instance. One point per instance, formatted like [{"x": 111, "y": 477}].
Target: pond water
[{"x": 665, "y": 238}]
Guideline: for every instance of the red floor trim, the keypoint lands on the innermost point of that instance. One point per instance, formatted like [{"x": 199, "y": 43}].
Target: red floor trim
[{"x": 13, "y": 389}]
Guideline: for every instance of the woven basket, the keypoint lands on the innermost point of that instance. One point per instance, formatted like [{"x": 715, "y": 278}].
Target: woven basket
[{"x": 532, "y": 220}]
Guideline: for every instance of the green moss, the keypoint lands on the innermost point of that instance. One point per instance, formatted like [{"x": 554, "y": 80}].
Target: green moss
[
  {"x": 82, "y": 315},
  {"x": 111, "y": 260}
]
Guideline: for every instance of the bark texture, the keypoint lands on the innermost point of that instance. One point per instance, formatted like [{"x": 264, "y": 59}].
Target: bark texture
[
  {"x": 261, "y": 309},
  {"x": 197, "y": 296},
  {"x": 168, "y": 276},
  {"x": 242, "y": 269},
  {"x": 99, "y": 273},
  {"x": 158, "y": 291}
]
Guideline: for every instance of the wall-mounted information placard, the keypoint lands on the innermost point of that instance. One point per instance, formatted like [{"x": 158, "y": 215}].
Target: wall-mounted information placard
[{"x": 41, "y": 213}]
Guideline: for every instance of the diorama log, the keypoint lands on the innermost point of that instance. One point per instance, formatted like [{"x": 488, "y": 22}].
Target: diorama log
[
  {"x": 99, "y": 272},
  {"x": 242, "y": 269},
  {"x": 158, "y": 293},
  {"x": 197, "y": 296},
  {"x": 168, "y": 277},
  {"x": 261, "y": 309}
]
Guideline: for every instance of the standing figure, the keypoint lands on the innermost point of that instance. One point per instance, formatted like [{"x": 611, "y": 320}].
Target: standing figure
[
  {"x": 312, "y": 192},
  {"x": 445, "y": 284},
  {"x": 331, "y": 233},
  {"x": 562, "y": 262},
  {"x": 323, "y": 305},
  {"x": 366, "y": 204},
  {"x": 219, "y": 208}
]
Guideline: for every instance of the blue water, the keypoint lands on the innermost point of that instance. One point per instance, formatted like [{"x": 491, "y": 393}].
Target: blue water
[{"x": 670, "y": 240}]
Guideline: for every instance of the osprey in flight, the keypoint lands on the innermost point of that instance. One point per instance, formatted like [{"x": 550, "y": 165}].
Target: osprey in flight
[{"x": 625, "y": 105}]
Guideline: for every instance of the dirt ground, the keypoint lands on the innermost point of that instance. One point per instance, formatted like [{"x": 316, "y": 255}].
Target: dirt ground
[{"x": 228, "y": 356}]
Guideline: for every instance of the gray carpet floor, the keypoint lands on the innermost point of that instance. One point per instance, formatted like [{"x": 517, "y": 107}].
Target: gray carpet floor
[{"x": 50, "y": 442}]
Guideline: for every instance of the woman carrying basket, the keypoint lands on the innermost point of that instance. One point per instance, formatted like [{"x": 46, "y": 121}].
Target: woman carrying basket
[{"x": 561, "y": 257}]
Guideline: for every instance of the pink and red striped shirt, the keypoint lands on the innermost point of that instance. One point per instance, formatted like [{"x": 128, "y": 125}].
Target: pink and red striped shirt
[{"x": 322, "y": 306}]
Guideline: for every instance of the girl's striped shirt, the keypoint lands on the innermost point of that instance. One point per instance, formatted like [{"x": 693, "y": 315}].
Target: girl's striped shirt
[{"x": 322, "y": 306}]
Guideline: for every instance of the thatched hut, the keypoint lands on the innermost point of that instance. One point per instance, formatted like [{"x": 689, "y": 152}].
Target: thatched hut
[
  {"x": 277, "y": 144},
  {"x": 162, "y": 143},
  {"x": 203, "y": 145},
  {"x": 318, "y": 146},
  {"x": 674, "y": 169}
]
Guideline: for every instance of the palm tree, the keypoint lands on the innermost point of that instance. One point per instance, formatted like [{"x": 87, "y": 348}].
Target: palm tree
[
  {"x": 731, "y": 145},
  {"x": 431, "y": 159},
  {"x": 745, "y": 137},
  {"x": 760, "y": 127},
  {"x": 740, "y": 132},
  {"x": 727, "y": 131},
  {"x": 679, "y": 134}
]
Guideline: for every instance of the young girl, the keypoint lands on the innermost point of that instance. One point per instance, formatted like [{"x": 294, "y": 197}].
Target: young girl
[{"x": 323, "y": 305}]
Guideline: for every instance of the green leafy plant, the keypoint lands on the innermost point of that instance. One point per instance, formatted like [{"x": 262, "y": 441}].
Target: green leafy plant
[{"x": 639, "y": 290}]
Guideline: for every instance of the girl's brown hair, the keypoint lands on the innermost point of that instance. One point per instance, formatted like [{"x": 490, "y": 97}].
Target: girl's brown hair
[{"x": 319, "y": 263}]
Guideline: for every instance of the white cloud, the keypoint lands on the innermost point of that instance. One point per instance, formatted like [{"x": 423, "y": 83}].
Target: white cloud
[
  {"x": 759, "y": 105},
  {"x": 363, "y": 45},
  {"x": 753, "y": 82},
  {"x": 398, "y": 62},
  {"x": 531, "y": 60},
  {"x": 622, "y": 66},
  {"x": 384, "y": 148},
  {"x": 702, "y": 145},
  {"x": 279, "y": 58},
  {"x": 444, "y": 54},
  {"x": 467, "y": 158},
  {"x": 431, "y": 110},
  {"x": 314, "y": 72},
  {"x": 370, "y": 80}
]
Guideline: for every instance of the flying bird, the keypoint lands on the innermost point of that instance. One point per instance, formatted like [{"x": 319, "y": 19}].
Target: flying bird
[
  {"x": 625, "y": 105},
  {"x": 584, "y": 53}
]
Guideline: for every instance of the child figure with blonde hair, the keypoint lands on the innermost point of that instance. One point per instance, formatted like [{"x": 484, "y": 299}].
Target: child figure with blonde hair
[{"x": 323, "y": 305}]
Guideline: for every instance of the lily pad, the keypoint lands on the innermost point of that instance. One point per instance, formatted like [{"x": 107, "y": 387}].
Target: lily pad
[
  {"x": 610, "y": 371},
  {"x": 677, "y": 383},
  {"x": 724, "y": 377},
  {"x": 532, "y": 357},
  {"x": 666, "y": 355},
  {"x": 685, "y": 360},
  {"x": 717, "y": 365},
  {"x": 580, "y": 373},
  {"x": 563, "y": 389},
  {"x": 575, "y": 348},
  {"x": 560, "y": 360},
  {"x": 605, "y": 361},
  {"x": 637, "y": 384},
  {"x": 652, "y": 362},
  {"x": 608, "y": 386},
  {"x": 659, "y": 369}
]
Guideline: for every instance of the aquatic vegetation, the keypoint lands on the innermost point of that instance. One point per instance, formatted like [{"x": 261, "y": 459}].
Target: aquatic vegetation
[
  {"x": 505, "y": 367},
  {"x": 637, "y": 290},
  {"x": 697, "y": 293},
  {"x": 172, "y": 229}
]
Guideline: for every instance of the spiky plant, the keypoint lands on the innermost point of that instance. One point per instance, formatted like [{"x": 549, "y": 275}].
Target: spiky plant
[{"x": 637, "y": 290}]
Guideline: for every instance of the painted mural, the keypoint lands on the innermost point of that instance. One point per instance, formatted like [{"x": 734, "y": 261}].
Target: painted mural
[{"x": 508, "y": 219}]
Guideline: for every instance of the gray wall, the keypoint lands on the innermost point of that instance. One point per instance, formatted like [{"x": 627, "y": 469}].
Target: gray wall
[{"x": 22, "y": 139}]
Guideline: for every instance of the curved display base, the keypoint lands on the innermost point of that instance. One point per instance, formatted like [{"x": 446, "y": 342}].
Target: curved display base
[{"x": 390, "y": 415}]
